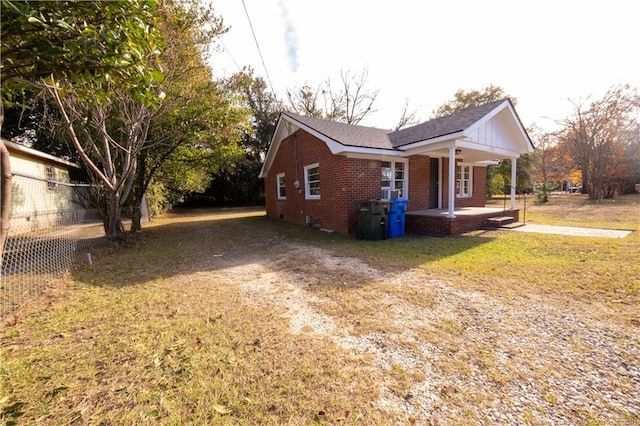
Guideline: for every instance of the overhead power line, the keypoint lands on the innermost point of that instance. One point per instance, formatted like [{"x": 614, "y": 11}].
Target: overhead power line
[
  {"x": 226, "y": 49},
  {"x": 258, "y": 46}
]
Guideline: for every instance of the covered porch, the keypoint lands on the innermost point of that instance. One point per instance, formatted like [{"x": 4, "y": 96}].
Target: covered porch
[
  {"x": 469, "y": 140},
  {"x": 465, "y": 219}
]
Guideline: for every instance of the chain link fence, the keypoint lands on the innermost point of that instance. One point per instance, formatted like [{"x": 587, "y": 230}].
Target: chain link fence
[{"x": 50, "y": 223}]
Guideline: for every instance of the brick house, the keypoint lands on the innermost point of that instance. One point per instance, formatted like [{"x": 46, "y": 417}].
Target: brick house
[{"x": 316, "y": 171}]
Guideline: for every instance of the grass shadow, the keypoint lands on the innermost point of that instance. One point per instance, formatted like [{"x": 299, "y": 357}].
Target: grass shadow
[{"x": 188, "y": 242}]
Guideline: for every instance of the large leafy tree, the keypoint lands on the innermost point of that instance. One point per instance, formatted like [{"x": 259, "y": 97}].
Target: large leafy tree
[
  {"x": 238, "y": 181},
  {"x": 194, "y": 130},
  {"x": 80, "y": 52},
  {"x": 603, "y": 140}
]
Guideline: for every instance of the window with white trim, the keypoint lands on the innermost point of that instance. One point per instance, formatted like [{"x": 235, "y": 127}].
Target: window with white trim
[
  {"x": 282, "y": 188},
  {"x": 312, "y": 182},
  {"x": 464, "y": 181},
  {"x": 393, "y": 178},
  {"x": 50, "y": 175}
]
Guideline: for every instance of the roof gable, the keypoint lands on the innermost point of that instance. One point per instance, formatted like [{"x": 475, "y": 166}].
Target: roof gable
[
  {"x": 498, "y": 129},
  {"x": 442, "y": 126},
  {"x": 486, "y": 132}
]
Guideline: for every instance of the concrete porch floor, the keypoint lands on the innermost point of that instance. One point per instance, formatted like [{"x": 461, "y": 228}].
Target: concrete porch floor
[{"x": 459, "y": 211}]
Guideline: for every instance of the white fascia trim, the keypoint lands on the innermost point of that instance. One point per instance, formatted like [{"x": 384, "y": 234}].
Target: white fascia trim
[
  {"x": 277, "y": 137},
  {"x": 485, "y": 163},
  {"x": 372, "y": 154},
  {"x": 463, "y": 144},
  {"x": 435, "y": 143},
  {"x": 335, "y": 146}
]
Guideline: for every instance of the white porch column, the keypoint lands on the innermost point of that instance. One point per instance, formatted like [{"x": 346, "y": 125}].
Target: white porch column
[
  {"x": 452, "y": 182},
  {"x": 513, "y": 183}
]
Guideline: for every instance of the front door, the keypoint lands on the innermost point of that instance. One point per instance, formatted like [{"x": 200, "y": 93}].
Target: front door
[{"x": 434, "y": 175}]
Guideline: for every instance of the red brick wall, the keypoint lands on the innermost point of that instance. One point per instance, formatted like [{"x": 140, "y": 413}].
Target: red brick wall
[
  {"x": 479, "y": 197},
  {"x": 418, "y": 182},
  {"x": 343, "y": 182},
  {"x": 442, "y": 225}
]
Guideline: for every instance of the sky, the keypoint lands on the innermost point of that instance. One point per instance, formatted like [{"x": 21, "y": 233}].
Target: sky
[{"x": 544, "y": 53}]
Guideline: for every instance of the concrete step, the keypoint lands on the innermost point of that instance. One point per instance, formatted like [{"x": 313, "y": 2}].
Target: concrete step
[
  {"x": 499, "y": 221},
  {"x": 512, "y": 225}
]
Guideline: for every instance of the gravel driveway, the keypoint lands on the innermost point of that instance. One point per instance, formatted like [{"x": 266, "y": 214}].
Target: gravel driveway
[{"x": 466, "y": 355}]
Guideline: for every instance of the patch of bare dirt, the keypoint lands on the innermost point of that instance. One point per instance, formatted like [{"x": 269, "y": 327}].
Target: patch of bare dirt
[{"x": 465, "y": 355}]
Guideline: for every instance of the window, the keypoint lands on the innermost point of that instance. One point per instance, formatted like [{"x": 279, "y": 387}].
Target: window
[
  {"x": 312, "y": 182},
  {"x": 393, "y": 179},
  {"x": 464, "y": 183},
  {"x": 50, "y": 175},
  {"x": 282, "y": 188}
]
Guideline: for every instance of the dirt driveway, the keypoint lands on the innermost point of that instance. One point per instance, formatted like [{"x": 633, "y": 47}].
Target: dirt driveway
[
  {"x": 446, "y": 355},
  {"x": 427, "y": 350}
]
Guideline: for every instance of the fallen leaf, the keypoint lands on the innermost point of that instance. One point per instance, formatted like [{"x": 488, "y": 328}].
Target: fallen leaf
[{"x": 220, "y": 409}]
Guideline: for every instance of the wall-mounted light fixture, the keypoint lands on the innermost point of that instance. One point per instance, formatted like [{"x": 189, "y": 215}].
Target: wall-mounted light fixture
[{"x": 458, "y": 151}]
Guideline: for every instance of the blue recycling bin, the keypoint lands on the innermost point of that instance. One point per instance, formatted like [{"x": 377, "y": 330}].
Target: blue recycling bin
[{"x": 396, "y": 217}]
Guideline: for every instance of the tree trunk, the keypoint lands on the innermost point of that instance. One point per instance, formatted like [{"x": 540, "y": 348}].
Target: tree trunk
[
  {"x": 5, "y": 188},
  {"x": 138, "y": 193},
  {"x": 111, "y": 217}
]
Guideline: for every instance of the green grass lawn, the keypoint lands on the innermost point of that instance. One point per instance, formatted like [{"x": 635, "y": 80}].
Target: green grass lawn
[{"x": 158, "y": 331}]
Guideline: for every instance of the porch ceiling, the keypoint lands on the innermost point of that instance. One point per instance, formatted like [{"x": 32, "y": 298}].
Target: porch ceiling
[{"x": 467, "y": 151}]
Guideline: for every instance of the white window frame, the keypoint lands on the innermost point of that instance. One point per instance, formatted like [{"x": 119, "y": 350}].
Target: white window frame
[
  {"x": 50, "y": 174},
  {"x": 460, "y": 187},
  {"x": 307, "y": 187},
  {"x": 280, "y": 185},
  {"x": 385, "y": 191}
]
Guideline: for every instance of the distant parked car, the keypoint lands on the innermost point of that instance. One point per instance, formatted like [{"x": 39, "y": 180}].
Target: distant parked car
[
  {"x": 574, "y": 189},
  {"x": 519, "y": 190}
]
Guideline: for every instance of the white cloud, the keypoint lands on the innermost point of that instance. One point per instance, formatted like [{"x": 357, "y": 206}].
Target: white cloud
[{"x": 290, "y": 38}]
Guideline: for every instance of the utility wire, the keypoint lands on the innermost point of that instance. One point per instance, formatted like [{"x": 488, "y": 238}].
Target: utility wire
[
  {"x": 258, "y": 46},
  {"x": 226, "y": 49}
]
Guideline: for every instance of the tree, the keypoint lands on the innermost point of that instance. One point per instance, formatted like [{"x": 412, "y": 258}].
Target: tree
[
  {"x": 304, "y": 101},
  {"x": 407, "y": 118},
  {"x": 471, "y": 98},
  {"x": 599, "y": 135},
  {"x": 195, "y": 129},
  {"x": 549, "y": 164},
  {"x": 349, "y": 102},
  {"x": 82, "y": 50},
  {"x": 238, "y": 182}
]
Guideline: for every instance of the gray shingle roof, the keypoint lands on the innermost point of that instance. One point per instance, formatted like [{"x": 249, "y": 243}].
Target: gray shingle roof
[
  {"x": 347, "y": 134},
  {"x": 442, "y": 126},
  {"x": 371, "y": 137}
]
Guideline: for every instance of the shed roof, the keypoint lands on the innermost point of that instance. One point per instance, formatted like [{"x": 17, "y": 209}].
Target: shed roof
[{"x": 34, "y": 153}]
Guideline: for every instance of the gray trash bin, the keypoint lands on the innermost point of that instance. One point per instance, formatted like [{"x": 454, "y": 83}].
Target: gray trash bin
[{"x": 372, "y": 220}]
